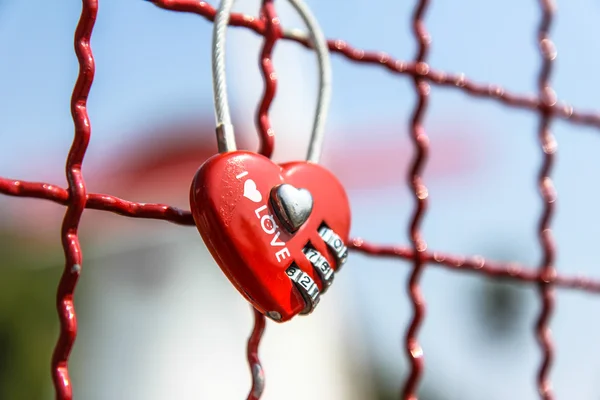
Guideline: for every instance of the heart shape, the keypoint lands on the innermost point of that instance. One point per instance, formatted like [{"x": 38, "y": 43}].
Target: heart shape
[
  {"x": 250, "y": 191},
  {"x": 246, "y": 239},
  {"x": 293, "y": 206}
]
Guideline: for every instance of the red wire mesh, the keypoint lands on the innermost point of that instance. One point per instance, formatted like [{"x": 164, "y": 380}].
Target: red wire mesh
[{"x": 76, "y": 198}]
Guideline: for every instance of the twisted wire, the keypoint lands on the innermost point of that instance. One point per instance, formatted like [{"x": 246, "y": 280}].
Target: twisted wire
[
  {"x": 382, "y": 59},
  {"x": 548, "y": 194},
  {"x": 258, "y": 375},
  {"x": 263, "y": 122},
  {"x": 475, "y": 264},
  {"x": 420, "y": 141},
  {"x": 75, "y": 204}
]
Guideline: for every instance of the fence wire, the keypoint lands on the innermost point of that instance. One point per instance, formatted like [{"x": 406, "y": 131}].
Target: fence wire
[{"x": 545, "y": 104}]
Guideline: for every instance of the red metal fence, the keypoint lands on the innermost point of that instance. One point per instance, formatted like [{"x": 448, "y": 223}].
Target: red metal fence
[{"x": 76, "y": 198}]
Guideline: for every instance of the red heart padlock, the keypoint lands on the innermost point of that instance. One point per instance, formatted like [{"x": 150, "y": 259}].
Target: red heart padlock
[
  {"x": 231, "y": 202},
  {"x": 276, "y": 231}
]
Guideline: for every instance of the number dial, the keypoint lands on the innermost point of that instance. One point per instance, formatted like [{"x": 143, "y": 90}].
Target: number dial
[
  {"x": 336, "y": 244},
  {"x": 322, "y": 267},
  {"x": 307, "y": 286}
]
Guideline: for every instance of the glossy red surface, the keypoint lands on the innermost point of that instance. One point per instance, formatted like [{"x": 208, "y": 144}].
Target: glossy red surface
[
  {"x": 239, "y": 231},
  {"x": 77, "y": 199}
]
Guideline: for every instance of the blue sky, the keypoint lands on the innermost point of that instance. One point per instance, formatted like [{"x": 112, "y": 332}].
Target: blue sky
[{"x": 154, "y": 66}]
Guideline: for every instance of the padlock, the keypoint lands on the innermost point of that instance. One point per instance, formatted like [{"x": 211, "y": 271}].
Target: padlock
[{"x": 278, "y": 232}]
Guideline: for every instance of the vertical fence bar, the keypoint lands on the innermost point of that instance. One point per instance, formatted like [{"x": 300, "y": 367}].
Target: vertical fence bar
[
  {"x": 547, "y": 271},
  {"x": 76, "y": 203},
  {"x": 421, "y": 146},
  {"x": 272, "y": 34},
  {"x": 258, "y": 375}
]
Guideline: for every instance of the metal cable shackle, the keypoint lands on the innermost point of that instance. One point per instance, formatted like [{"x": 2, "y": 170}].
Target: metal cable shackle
[
  {"x": 225, "y": 134},
  {"x": 225, "y": 131},
  {"x": 319, "y": 41}
]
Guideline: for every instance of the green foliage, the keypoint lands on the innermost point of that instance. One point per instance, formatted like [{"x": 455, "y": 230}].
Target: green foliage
[{"x": 28, "y": 322}]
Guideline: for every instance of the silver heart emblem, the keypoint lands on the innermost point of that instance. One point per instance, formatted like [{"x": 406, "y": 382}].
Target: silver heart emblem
[{"x": 292, "y": 206}]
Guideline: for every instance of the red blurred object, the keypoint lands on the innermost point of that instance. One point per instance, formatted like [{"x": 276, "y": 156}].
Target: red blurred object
[{"x": 255, "y": 256}]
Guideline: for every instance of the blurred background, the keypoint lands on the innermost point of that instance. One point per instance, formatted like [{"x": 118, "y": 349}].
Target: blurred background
[{"x": 158, "y": 319}]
